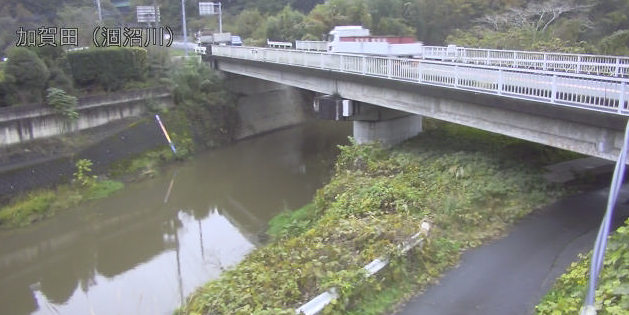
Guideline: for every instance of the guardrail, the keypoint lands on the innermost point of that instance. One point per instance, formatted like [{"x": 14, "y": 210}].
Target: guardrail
[
  {"x": 615, "y": 66},
  {"x": 608, "y": 94}
]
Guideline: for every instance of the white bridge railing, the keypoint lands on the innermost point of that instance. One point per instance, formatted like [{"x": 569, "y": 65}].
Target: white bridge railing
[
  {"x": 602, "y": 93},
  {"x": 615, "y": 66}
]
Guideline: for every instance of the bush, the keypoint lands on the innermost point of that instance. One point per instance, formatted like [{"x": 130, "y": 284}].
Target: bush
[
  {"x": 110, "y": 68},
  {"x": 612, "y": 295},
  {"x": 63, "y": 103},
  {"x": 28, "y": 73},
  {"x": 207, "y": 103}
]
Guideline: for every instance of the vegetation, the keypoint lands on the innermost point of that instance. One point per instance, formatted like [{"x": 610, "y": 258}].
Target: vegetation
[
  {"x": 469, "y": 185},
  {"x": 204, "y": 111},
  {"x": 63, "y": 103},
  {"x": 27, "y": 73},
  {"x": 110, "y": 68},
  {"x": 612, "y": 295},
  {"x": 204, "y": 103},
  {"x": 39, "y": 204}
]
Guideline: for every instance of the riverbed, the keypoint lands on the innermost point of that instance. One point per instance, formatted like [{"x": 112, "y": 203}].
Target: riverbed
[{"x": 146, "y": 248}]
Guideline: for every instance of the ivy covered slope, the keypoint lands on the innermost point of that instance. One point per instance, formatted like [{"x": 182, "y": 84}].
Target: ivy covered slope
[
  {"x": 612, "y": 296},
  {"x": 470, "y": 185}
]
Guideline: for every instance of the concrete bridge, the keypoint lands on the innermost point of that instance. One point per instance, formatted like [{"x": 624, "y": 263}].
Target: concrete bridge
[{"x": 573, "y": 102}]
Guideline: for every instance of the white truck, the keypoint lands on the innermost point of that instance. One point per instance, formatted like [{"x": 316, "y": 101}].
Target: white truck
[
  {"x": 355, "y": 39},
  {"x": 207, "y": 38}
]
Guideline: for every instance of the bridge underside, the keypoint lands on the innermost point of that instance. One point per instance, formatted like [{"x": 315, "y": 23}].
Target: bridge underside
[{"x": 580, "y": 130}]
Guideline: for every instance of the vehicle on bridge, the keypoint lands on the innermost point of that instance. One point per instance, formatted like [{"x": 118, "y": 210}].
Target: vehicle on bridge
[{"x": 355, "y": 39}]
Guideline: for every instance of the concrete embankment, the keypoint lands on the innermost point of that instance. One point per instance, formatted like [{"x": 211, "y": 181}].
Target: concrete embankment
[
  {"x": 30, "y": 122},
  {"x": 262, "y": 106},
  {"x": 125, "y": 138}
]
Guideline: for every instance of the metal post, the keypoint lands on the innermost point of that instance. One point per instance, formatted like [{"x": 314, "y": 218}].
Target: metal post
[
  {"x": 553, "y": 89},
  {"x": 220, "y": 18},
  {"x": 185, "y": 32},
  {"x": 621, "y": 99},
  {"x": 100, "y": 14},
  {"x": 364, "y": 64},
  {"x": 500, "y": 81}
]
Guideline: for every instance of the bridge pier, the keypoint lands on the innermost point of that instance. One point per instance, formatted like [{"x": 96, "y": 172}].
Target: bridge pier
[{"x": 387, "y": 126}]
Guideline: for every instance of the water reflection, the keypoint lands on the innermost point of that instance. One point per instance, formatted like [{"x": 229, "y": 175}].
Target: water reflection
[{"x": 148, "y": 247}]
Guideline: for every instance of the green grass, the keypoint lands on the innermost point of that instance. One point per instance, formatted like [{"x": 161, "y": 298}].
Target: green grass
[
  {"x": 103, "y": 189},
  {"x": 612, "y": 294},
  {"x": 452, "y": 176},
  {"x": 28, "y": 208},
  {"x": 37, "y": 205},
  {"x": 291, "y": 223}
]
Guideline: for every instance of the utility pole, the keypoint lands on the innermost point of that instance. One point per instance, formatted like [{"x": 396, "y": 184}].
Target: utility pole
[
  {"x": 185, "y": 33},
  {"x": 220, "y": 18},
  {"x": 100, "y": 14}
]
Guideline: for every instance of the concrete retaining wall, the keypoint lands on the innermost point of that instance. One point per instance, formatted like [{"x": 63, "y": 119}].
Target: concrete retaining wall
[
  {"x": 25, "y": 123},
  {"x": 265, "y": 106},
  {"x": 135, "y": 139}
]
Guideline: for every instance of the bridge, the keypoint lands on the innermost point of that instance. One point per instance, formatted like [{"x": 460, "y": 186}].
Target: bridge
[{"x": 570, "y": 101}]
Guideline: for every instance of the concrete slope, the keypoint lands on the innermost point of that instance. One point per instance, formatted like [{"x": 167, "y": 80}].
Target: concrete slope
[{"x": 509, "y": 276}]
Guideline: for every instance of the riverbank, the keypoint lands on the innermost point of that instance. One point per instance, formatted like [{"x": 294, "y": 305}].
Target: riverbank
[
  {"x": 203, "y": 214},
  {"x": 471, "y": 185},
  {"x": 612, "y": 290}
]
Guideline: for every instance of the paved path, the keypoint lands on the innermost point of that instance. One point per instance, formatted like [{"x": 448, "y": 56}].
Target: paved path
[{"x": 510, "y": 275}]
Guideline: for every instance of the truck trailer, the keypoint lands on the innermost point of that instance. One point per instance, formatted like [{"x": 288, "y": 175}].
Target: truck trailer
[{"x": 356, "y": 39}]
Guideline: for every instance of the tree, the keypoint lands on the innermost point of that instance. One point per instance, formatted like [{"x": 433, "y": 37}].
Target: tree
[
  {"x": 63, "y": 103},
  {"x": 28, "y": 73},
  {"x": 247, "y": 22}
]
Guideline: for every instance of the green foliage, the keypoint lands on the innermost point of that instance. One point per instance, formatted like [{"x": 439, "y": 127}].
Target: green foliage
[
  {"x": 39, "y": 204},
  {"x": 27, "y": 73},
  {"x": 110, "y": 68},
  {"x": 27, "y": 208},
  {"x": 205, "y": 105},
  {"x": 103, "y": 189},
  {"x": 291, "y": 223},
  {"x": 376, "y": 200},
  {"x": 81, "y": 176},
  {"x": 63, "y": 103},
  {"x": 286, "y": 25},
  {"x": 616, "y": 43},
  {"x": 612, "y": 294}
]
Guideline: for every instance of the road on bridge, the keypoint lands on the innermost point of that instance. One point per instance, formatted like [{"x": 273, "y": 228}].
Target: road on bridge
[{"x": 510, "y": 275}]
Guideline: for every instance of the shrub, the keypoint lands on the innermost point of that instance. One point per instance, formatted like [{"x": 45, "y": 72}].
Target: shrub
[
  {"x": 28, "y": 73},
  {"x": 110, "y": 68},
  {"x": 63, "y": 103}
]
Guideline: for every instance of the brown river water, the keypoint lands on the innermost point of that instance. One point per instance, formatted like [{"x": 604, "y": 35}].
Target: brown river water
[{"x": 146, "y": 248}]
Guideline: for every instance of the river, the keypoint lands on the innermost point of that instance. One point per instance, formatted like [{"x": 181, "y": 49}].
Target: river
[{"x": 146, "y": 248}]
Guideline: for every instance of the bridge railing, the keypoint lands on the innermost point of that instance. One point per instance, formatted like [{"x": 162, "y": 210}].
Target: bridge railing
[
  {"x": 615, "y": 66},
  {"x": 609, "y": 94}
]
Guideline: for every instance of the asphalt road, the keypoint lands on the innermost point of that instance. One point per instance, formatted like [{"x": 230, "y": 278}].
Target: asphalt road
[{"x": 509, "y": 276}]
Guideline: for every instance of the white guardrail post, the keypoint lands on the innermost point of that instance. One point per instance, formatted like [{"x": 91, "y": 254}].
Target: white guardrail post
[
  {"x": 364, "y": 64},
  {"x": 500, "y": 81},
  {"x": 553, "y": 90},
  {"x": 317, "y": 304},
  {"x": 621, "y": 99}
]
